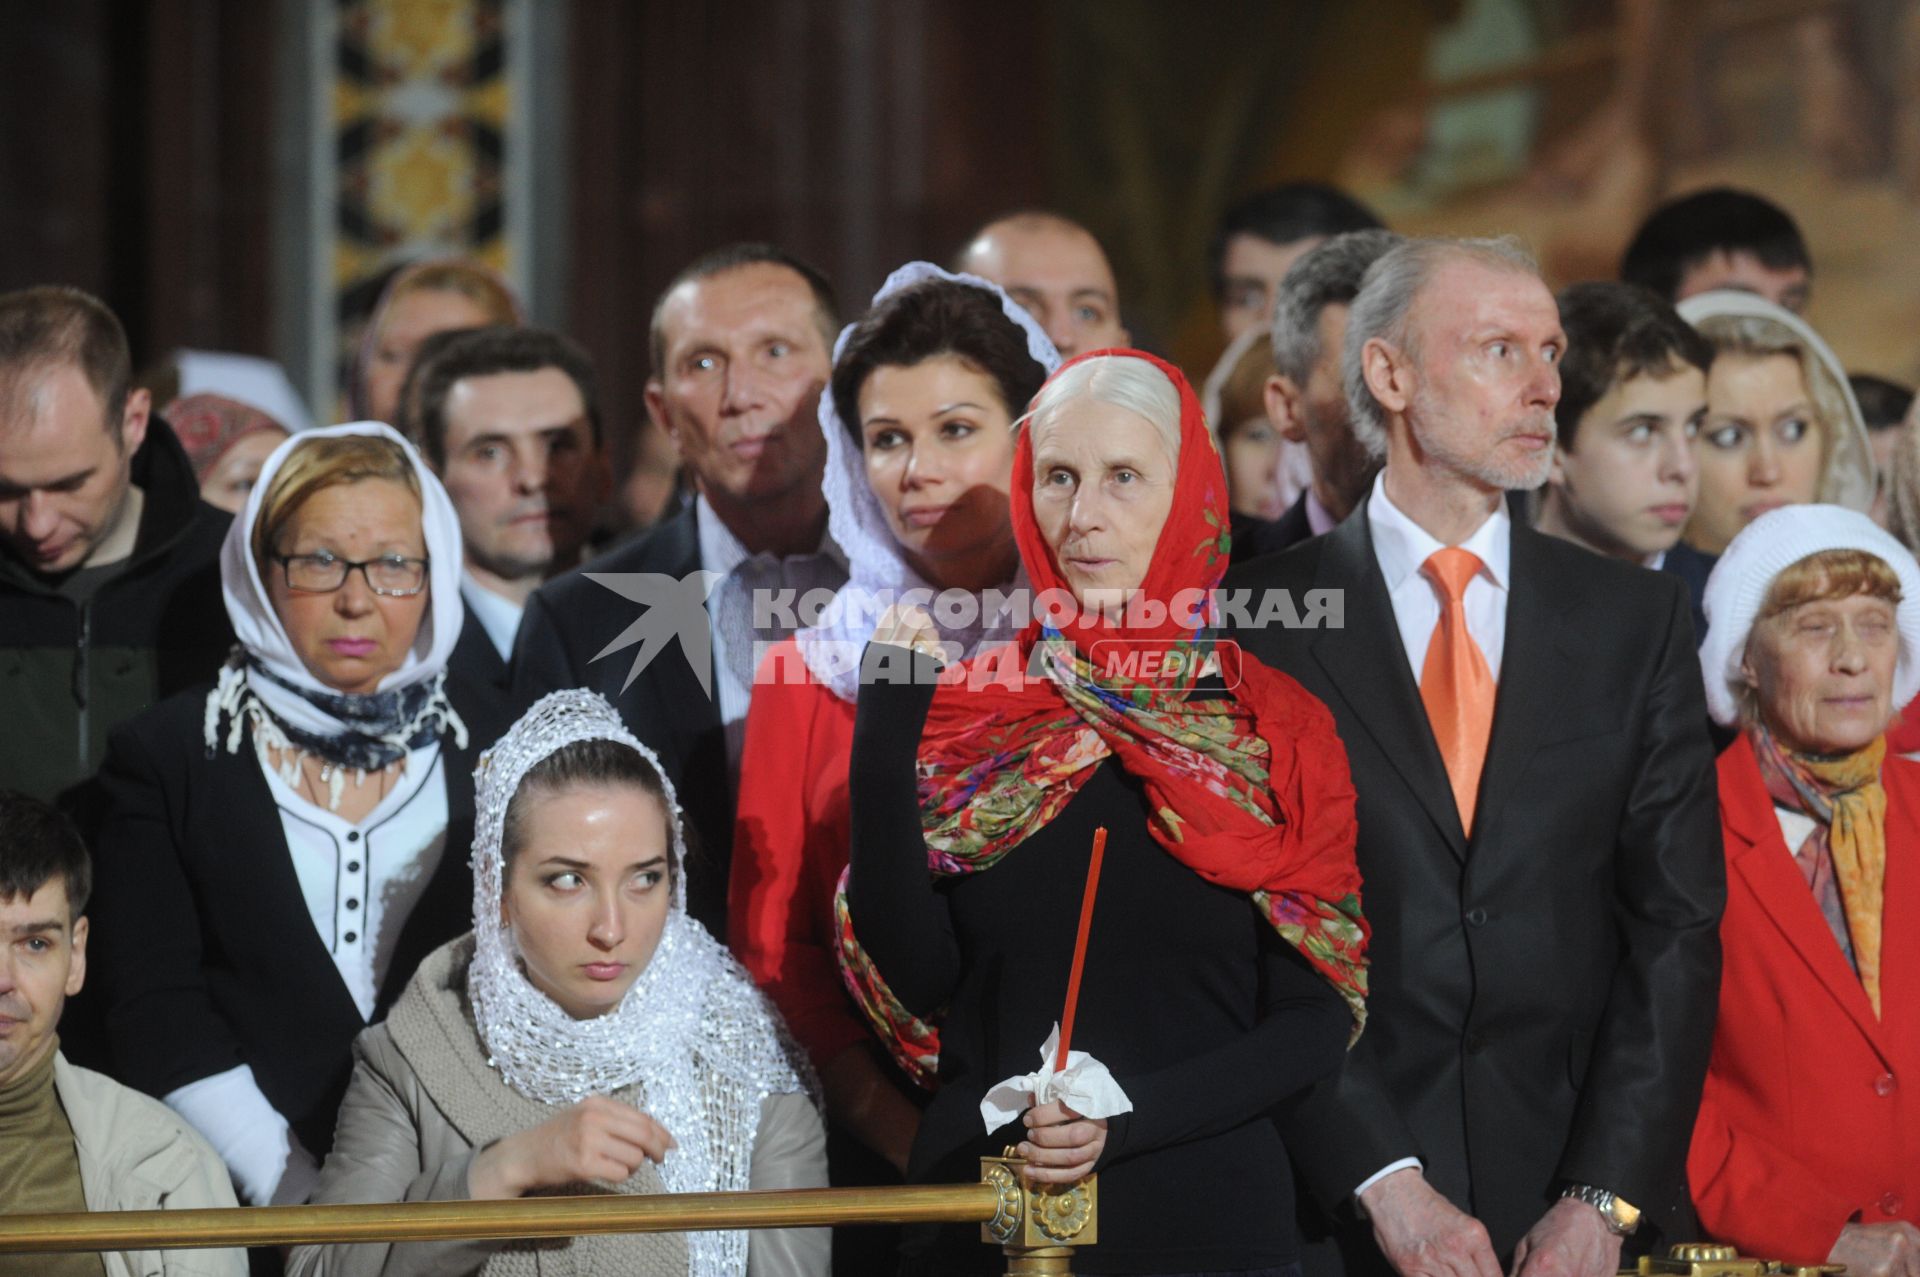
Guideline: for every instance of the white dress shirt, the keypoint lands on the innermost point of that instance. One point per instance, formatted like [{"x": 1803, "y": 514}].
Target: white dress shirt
[
  {"x": 360, "y": 881},
  {"x": 499, "y": 617},
  {"x": 1400, "y": 546},
  {"x": 722, "y": 552}
]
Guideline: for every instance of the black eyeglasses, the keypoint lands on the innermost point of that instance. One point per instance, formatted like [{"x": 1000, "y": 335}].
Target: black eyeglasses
[{"x": 392, "y": 575}]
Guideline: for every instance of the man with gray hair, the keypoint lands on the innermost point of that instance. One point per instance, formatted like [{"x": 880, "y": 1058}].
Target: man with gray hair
[
  {"x": 1306, "y": 399},
  {"x": 1537, "y": 812}
]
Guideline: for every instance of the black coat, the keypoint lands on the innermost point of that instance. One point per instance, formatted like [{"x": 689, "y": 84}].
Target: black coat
[
  {"x": 1542, "y": 994},
  {"x": 475, "y": 658},
  {"x": 202, "y": 944},
  {"x": 1254, "y": 537},
  {"x": 570, "y": 620},
  {"x": 70, "y": 672},
  {"x": 1693, "y": 567}
]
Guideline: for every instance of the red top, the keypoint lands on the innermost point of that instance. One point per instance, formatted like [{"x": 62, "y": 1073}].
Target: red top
[
  {"x": 790, "y": 843},
  {"x": 1806, "y": 1123}
]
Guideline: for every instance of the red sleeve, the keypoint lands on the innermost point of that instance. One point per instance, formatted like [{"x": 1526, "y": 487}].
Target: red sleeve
[
  {"x": 1751, "y": 1193},
  {"x": 789, "y": 846}
]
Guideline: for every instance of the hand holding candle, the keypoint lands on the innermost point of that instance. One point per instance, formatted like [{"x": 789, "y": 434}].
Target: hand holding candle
[{"x": 1070, "y": 1087}]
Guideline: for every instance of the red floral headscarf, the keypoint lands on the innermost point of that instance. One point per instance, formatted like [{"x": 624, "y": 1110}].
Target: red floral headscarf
[{"x": 1251, "y": 793}]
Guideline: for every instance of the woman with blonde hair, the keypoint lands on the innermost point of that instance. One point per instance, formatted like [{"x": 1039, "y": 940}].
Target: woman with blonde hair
[
  {"x": 428, "y": 297},
  {"x": 280, "y": 849},
  {"x": 1782, "y": 425}
]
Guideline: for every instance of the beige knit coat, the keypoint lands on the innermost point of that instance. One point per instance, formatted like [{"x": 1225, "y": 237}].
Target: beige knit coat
[{"x": 423, "y": 1098}]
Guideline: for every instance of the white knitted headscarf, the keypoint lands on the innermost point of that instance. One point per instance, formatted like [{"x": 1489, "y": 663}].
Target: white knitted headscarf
[
  {"x": 877, "y": 571},
  {"x": 693, "y": 1030},
  {"x": 1765, "y": 548}
]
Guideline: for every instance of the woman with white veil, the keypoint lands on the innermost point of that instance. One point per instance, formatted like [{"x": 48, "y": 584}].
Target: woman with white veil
[
  {"x": 919, "y": 426},
  {"x": 587, "y": 1036}
]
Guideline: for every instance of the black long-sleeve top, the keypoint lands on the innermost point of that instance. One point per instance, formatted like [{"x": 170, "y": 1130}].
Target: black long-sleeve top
[{"x": 1202, "y": 1013}]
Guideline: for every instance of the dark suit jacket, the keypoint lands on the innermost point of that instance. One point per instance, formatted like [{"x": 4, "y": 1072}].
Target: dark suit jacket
[
  {"x": 570, "y": 620},
  {"x": 475, "y": 658},
  {"x": 1542, "y": 994},
  {"x": 1692, "y": 567},
  {"x": 201, "y": 939},
  {"x": 1254, "y": 537}
]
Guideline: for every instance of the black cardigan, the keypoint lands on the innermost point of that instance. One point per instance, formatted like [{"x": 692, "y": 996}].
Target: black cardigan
[
  {"x": 201, "y": 939},
  {"x": 1204, "y": 1015}
]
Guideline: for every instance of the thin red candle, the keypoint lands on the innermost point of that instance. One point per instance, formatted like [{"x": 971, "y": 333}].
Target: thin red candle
[{"x": 1080, "y": 946}]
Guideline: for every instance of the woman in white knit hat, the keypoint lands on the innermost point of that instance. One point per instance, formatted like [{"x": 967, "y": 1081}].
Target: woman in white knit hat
[
  {"x": 1804, "y": 1144},
  {"x": 1782, "y": 425}
]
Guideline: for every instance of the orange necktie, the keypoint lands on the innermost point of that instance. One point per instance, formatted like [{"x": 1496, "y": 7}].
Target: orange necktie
[{"x": 1455, "y": 683}]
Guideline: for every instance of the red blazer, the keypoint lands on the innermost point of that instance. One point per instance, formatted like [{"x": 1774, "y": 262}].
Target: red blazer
[
  {"x": 1811, "y": 1114},
  {"x": 790, "y": 840}
]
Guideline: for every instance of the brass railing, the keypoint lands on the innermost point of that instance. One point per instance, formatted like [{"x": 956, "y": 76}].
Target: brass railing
[{"x": 1035, "y": 1226}]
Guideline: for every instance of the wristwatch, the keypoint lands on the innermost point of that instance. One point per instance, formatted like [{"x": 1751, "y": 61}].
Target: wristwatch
[{"x": 1621, "y": 1216}]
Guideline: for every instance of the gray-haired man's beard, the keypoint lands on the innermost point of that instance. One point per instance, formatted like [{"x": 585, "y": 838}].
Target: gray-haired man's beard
[{"x": 1488, "y": 466}]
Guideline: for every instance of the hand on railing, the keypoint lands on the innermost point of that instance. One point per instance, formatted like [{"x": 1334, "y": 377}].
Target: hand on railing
[
  {"x": 598, "y": 1139},
  {"x": 1061, "y": 1146}
]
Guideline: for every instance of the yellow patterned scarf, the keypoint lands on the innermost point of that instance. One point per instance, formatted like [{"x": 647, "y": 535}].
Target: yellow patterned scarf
[{"x": 1844, "y": 798}]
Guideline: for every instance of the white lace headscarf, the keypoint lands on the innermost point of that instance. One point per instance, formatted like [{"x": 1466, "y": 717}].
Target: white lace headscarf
[
  {"x": 693, "y": 1030},
  {"x": 877, "y": 570}
]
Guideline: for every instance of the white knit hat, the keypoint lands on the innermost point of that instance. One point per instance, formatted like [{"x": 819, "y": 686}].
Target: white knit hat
[{"x": 1767, "y": 547}]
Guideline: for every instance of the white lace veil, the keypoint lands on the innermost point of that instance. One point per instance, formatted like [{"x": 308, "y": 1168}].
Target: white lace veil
[
  {"x": 877, "y": 572},
  {"x": 692, "y": 1032}
]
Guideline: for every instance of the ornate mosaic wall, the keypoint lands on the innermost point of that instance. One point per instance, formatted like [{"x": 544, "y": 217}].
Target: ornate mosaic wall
[{"x": 419, "y": 150}]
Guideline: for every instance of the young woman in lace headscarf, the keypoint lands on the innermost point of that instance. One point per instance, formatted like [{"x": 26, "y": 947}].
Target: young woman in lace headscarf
[
  {"x": 279, "y": 850},
  {"x": 919, "y": 431},
  {"x": 588, "y": 1036}
]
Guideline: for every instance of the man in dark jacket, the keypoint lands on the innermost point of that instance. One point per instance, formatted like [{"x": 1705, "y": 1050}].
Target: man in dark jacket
[
  {"x": 1538, "y": 817},
  {"x": 742, "y": 346},
  {"x": 1306, "y": 399},
  {"x": 109, "y": 560}
]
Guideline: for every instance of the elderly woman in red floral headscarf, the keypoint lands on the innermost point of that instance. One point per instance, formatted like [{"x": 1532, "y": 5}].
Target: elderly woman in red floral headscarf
[{"x": 1224, "y": 967}]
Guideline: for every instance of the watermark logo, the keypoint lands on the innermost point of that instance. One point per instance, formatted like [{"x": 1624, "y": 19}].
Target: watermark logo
[
  {"x": 1113, "y": 661},
  {"x": 675, "y": 607}
]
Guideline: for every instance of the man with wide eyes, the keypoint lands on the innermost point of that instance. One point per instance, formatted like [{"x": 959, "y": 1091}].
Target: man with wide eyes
[
  {"x": 1633, "y": 395},
  {"x": 1057, "y": 270},
  {"x": 741, "y": 345},
  {"x": 1546, "y": 953}
]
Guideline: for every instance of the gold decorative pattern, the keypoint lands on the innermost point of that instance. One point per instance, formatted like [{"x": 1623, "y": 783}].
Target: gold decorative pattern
[
  {"x": 1063, "y": 1213},
  {"x": 1009, "y": 1206}
]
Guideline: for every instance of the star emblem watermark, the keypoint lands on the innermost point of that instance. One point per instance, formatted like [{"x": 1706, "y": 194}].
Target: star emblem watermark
[{"x": 675, "y": 607}]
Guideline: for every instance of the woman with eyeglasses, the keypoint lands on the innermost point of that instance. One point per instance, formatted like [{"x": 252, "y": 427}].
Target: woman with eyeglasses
[{"x": 281, "y": 849}]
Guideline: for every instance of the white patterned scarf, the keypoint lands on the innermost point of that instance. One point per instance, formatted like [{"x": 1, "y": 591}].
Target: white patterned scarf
[{"x": 693, "y": 1029}]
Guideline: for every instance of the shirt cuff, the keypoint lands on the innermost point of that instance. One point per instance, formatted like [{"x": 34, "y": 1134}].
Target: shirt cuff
[
  {"x": 1405, "y": 1163},
  {"x": 248, "y": 1133}
]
